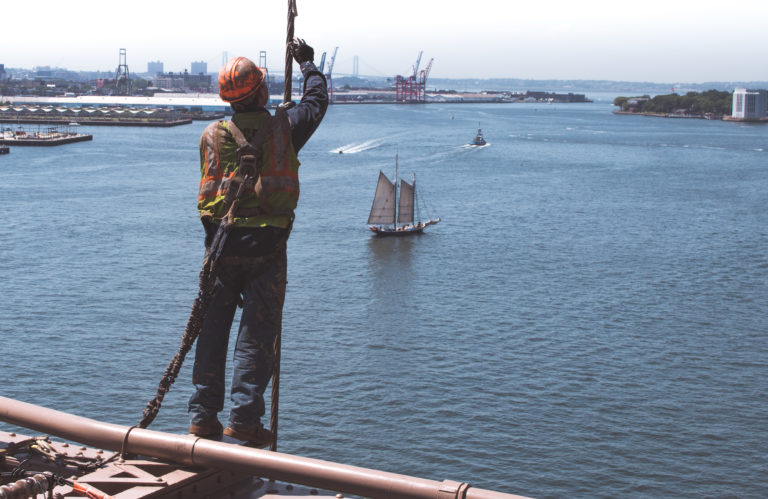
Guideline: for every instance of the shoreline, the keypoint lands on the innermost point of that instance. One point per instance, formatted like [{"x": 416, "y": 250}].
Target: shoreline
[{"x": 705, "y": 116}]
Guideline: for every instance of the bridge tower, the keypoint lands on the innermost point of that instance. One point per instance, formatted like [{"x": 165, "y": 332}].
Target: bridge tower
[{"x": 263, "y": 64}]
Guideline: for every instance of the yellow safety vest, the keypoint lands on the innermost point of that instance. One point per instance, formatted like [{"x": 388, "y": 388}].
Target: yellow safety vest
[{"x": 274, "y": 197}]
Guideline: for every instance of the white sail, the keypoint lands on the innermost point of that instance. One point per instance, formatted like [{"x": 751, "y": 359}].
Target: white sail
[
  {"x": 405, "y": 207},
  {"x": 383, "y": 207}
]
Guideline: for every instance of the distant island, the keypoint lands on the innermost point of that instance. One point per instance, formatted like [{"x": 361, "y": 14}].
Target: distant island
[{"x": 712, "y": 104}]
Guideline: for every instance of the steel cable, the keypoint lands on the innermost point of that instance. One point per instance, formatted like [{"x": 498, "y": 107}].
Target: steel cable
[{"x": 275, "y": 398}]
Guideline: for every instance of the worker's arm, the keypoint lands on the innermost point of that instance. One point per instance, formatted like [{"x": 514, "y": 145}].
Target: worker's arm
[{"x": 308, "y": 113}]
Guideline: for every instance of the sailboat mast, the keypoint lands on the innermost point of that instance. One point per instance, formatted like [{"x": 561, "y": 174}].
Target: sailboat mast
[
  {"x": 396, "y": 196},
  {"x": 416, "y": 199}
]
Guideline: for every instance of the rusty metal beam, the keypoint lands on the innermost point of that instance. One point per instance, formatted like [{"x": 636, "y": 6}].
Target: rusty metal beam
[{"x": 191, "y": 450}]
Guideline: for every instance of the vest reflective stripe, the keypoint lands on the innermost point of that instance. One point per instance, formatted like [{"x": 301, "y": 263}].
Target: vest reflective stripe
[
  {"x": 276, "y": 194},
  {"x": 211, "y": 187}
]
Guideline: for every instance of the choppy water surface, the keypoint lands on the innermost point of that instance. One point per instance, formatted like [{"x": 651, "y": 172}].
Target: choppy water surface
[{"x": 588, "y": 320}]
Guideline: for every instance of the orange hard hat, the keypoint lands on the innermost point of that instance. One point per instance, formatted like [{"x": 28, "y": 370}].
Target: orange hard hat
[{"x": 239, "y": 79}]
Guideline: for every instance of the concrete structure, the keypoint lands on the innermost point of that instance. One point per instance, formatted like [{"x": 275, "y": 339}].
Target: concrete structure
[{"x": 750, "y": 104}]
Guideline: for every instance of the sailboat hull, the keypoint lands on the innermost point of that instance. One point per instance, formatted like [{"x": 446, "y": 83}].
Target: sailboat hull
[
  {"x": 403, "y": 231},
  {"x": 400, "y": 231}
]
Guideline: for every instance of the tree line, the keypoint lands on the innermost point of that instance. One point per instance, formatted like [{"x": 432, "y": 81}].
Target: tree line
[{"x": 712, "y": 101}]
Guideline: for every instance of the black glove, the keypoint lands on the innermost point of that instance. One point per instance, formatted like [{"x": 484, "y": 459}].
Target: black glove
[{"x": 301, "y": 52}]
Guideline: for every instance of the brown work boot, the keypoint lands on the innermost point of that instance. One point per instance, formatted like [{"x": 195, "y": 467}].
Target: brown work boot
[
  {"x": 211, "y": 430},
  {"x": 257, "y": 436}
]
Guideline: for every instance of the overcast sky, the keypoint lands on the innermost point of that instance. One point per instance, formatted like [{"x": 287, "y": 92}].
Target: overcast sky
[{"x": 651, "y": 40}]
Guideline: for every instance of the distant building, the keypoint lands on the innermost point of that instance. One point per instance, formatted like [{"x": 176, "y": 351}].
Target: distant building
[
  {"x": 183, "y": 82},
  {"x": 2, "y": 72},
  {"x": 154, "y": 67},
  {"x": 199, "y": 68},
  {"x": 750, "y": 104}
]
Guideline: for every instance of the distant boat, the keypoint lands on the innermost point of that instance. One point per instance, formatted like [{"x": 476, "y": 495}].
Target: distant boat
[
  {"x": 478, "y": 140},
  {"x": 388, "y": 210}
]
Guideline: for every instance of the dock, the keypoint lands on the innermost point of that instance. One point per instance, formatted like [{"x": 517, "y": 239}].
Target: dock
[
  {"x": 49, "y": 136},
  {"x": 95, "y": 116}
]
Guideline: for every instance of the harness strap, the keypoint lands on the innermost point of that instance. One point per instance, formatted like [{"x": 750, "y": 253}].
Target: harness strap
[
  {"x": 249, "y": 157},
  {"x": 239, "y": 137}
]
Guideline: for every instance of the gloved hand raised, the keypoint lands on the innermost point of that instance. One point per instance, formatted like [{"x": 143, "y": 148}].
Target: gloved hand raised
[{"x": 300, "y": 51}]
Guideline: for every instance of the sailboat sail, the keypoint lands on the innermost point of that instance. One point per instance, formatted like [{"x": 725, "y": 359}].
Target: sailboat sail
[
  {"x": 405, "y": 207},
  {"x": 383, "y": 208}
]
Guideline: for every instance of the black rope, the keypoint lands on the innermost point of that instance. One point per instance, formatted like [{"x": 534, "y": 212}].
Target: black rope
[
  {"x": 200, "y": 305},
  {"x": 191, "y": 332}
]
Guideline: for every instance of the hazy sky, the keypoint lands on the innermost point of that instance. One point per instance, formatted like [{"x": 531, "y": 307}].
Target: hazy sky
[{"x": 651, "y": 40}]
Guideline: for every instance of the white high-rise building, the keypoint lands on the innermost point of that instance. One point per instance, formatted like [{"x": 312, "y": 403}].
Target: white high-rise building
[{"x": 750, "y": 104}]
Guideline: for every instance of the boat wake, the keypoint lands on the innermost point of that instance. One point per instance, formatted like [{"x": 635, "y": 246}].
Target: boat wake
[
  {"x": 355, "y": 148},
  {"x": 473, "y": 147}
]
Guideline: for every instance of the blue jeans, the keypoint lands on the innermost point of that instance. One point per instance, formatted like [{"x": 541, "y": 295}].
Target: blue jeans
[{"x": 263, "y": 290}]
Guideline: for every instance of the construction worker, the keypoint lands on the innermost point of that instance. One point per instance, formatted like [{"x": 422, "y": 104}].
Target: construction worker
[{"x": 252, "y": 268}]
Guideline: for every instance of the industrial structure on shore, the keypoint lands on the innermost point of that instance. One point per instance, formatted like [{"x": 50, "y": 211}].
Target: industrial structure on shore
[
  {"x": 412, "y": 89},
  {"x": 170, "y": 99}
]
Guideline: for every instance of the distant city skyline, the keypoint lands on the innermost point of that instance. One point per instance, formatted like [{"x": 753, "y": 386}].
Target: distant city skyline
[{"x": 657, "y": 41}]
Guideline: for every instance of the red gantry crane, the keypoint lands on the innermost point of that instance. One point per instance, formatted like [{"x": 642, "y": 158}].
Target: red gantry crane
[{"x": 411, "y": 89}]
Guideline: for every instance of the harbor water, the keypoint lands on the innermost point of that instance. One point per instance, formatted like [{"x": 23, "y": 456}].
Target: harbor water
[{"x": 588, "y": 320}]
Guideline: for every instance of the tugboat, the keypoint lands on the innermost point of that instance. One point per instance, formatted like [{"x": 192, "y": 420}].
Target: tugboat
[{"x": 479, "y": 140}]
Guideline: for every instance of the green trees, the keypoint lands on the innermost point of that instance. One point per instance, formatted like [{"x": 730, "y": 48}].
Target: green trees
[{"x": 712, "y": 101}]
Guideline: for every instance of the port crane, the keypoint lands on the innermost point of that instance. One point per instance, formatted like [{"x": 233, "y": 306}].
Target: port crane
[
  {"x": 412, "y": 88},
  {"x": 122, "y": 76},
  {"x": 321, "y": 66},
  {"x": 416, "y": 66},
  {"x": 328, "y": 77},
  {"x": 422, "y": 80}
]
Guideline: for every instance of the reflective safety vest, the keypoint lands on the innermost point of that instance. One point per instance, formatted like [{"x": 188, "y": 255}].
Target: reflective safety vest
[{"x": 271, "y": 201}]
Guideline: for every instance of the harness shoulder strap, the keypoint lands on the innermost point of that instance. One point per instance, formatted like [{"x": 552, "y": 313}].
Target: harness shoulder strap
[{"x": 237, "y": 134}]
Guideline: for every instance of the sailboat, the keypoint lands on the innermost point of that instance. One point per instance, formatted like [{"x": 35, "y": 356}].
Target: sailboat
[{"x": 389, "y": 210}]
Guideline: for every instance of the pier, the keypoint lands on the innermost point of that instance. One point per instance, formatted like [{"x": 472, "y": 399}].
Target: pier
[
  {"x": 50, "y": 136},
  {"x": 113, "y": 115}
]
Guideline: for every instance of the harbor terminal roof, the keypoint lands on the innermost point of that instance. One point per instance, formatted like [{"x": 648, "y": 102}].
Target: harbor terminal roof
[{"x": 211, "y": 101}]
